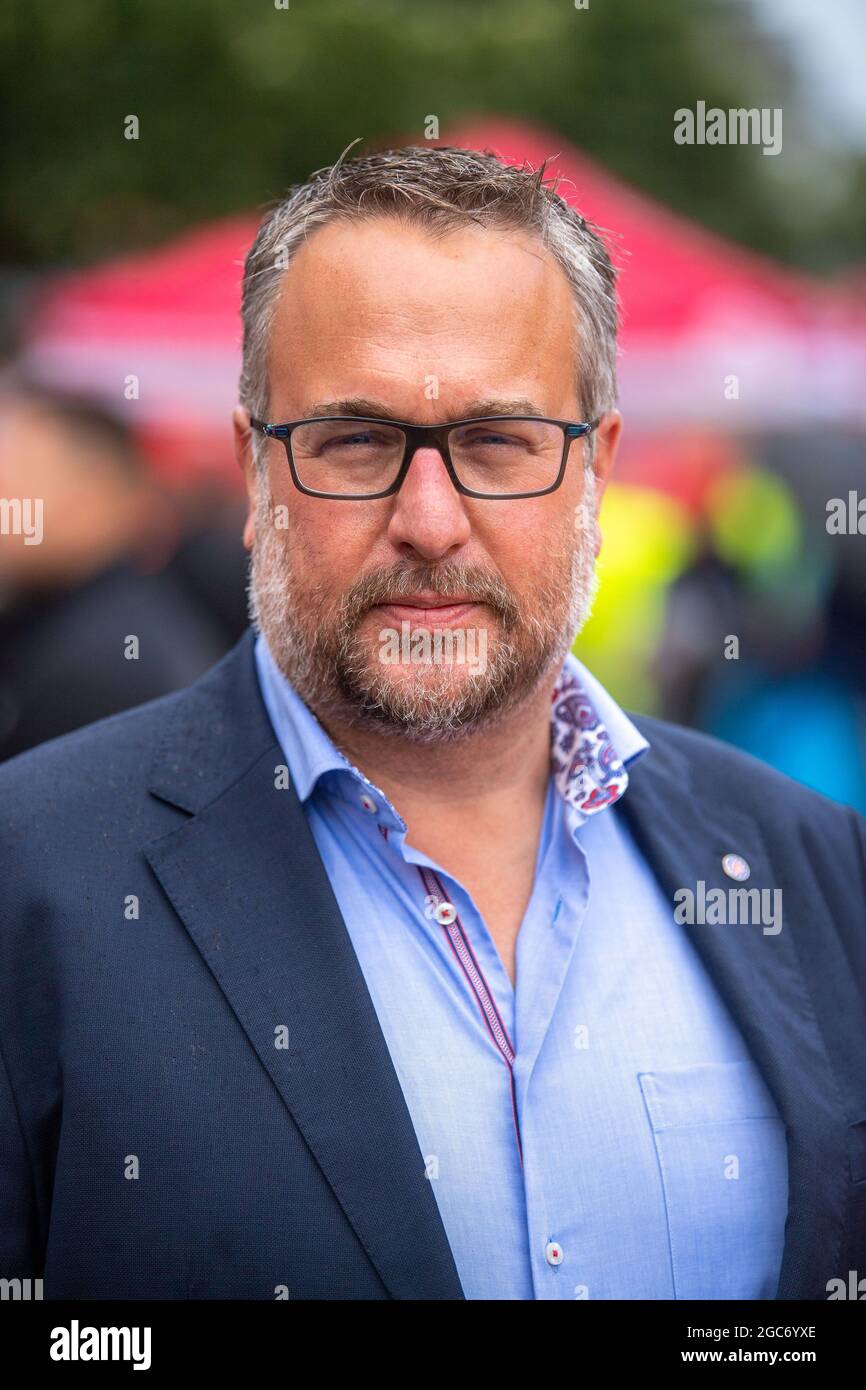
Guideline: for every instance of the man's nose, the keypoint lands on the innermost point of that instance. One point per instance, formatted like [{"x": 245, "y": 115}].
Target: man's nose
[{"x": 429, "y": 513}]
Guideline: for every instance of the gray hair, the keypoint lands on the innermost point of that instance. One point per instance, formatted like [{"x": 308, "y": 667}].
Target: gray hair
[{"x": 439, "y": 188}]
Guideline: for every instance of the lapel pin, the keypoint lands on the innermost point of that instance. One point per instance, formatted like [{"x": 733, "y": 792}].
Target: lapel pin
[{"x": 735, "y": 866}]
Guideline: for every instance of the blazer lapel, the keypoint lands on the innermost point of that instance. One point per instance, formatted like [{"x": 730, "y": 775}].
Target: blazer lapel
[
  {"x": 759, "y": 977},
  {"x": 245, "y": 878}
]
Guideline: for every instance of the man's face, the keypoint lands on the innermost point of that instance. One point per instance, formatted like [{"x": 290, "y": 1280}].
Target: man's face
[{"x": 426, "y": 613}]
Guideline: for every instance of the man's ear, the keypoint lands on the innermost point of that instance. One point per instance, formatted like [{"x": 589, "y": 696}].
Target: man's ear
[
  {"x": 243, "y": 437},
  {"x": 607, "y": 440}
]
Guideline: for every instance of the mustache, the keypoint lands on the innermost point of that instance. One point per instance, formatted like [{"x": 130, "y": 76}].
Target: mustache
[{"x": 448, "y": 580}]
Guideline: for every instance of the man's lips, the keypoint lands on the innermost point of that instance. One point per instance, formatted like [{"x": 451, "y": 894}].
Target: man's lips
[{"x": 428, "y": 611}]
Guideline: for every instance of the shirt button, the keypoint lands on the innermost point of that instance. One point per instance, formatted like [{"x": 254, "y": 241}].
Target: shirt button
[
  {"x": 368, "y": 803},
  {"x": 553, "y": 1253},
  {"x": 445, "y": 914}
]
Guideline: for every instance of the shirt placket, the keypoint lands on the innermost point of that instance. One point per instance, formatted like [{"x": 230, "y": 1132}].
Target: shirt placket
[
  {"x": 445, "y": 913},
  {"x": 547, "y": 951}
]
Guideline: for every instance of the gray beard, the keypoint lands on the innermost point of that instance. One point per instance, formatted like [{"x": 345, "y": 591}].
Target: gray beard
[{"x": 316, "y": 643}]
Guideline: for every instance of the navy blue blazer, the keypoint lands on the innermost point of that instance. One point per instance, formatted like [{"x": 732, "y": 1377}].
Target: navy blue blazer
[{"x": 165, "y": 912}]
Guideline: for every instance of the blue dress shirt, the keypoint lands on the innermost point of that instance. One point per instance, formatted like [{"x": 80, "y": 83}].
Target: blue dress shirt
[{"x": 598, "y": 1130}]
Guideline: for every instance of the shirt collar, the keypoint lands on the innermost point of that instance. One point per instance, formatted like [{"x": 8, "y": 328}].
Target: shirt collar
[
  {"x": 310, "y": 752},
  {"x": 592, "y": 739}
]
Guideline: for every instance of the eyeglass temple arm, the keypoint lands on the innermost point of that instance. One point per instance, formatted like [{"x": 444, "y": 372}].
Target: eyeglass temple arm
[
  {"x": 274, "y": 431},
  {"x": 579, "y": 431}
]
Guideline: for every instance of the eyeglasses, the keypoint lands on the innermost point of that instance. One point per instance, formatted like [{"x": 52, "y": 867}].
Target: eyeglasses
[{"x": 355, "y": 458}]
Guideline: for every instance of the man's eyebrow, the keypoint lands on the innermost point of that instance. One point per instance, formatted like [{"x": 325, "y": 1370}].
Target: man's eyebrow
[{"x": 362, "y": 405}]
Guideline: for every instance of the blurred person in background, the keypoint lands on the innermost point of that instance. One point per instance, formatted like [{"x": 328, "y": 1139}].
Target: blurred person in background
[
  {"x": 210, "y": 562},
  {"x": 93, "y": 616},
  {"x": 761, "y": 640}
]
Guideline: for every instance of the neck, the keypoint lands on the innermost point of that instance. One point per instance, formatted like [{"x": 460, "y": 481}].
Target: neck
[{"x": 510, "y": 759}]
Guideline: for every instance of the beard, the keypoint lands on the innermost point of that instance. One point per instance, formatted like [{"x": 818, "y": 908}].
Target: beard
[{"x": 327, "y": 651}]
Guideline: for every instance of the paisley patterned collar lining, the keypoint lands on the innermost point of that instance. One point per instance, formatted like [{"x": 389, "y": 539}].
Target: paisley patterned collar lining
[{"x": 587, "y": 768}]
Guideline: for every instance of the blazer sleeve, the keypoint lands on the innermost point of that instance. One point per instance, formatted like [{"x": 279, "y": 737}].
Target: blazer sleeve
[
  {"x": 18, "y": 1244},
  {"x": 855, "y": 924}
]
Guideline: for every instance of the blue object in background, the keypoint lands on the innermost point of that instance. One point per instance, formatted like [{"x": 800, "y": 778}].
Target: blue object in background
[{"x": 810, "y": 726}]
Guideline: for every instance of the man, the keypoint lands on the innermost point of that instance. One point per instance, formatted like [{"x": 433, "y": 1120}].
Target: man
[{"x": 393, "y": 959}]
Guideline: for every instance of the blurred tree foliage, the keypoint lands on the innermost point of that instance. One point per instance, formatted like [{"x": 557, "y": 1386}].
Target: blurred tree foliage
[{"x": 238, "y": 98}]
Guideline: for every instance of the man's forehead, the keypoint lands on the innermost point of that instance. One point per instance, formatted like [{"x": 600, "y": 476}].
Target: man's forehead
[
  {"x": 379, "y": 264},
  {"x": 388, "y": 299}
]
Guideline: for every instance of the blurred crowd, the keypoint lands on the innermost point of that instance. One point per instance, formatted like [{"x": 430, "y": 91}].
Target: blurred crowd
[{"x": 128, "y": 592}]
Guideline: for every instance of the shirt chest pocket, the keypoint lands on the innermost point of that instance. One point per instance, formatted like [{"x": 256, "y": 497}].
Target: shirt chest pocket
[{"x": 723, "y": 1164}]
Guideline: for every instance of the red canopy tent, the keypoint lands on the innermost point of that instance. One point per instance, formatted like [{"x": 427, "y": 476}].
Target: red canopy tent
[
  {"x": 697, "y": 311},
  {"x": 167, "y": 318}
]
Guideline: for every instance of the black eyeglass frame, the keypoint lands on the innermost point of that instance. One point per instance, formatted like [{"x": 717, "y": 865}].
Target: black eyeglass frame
[{"x": 422, "y": 436}]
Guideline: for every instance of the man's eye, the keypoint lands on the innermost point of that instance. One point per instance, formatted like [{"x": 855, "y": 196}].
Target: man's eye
[
  {"x": 364, "y": 438},
  {"x": 489, "y": 437}
]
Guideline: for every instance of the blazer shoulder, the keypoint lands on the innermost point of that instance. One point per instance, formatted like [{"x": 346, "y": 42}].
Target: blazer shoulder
[
  {"x": 208, "y": 726},
  {"x": 96, "y": 755},
  {"x": 719, "y": 769}
]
